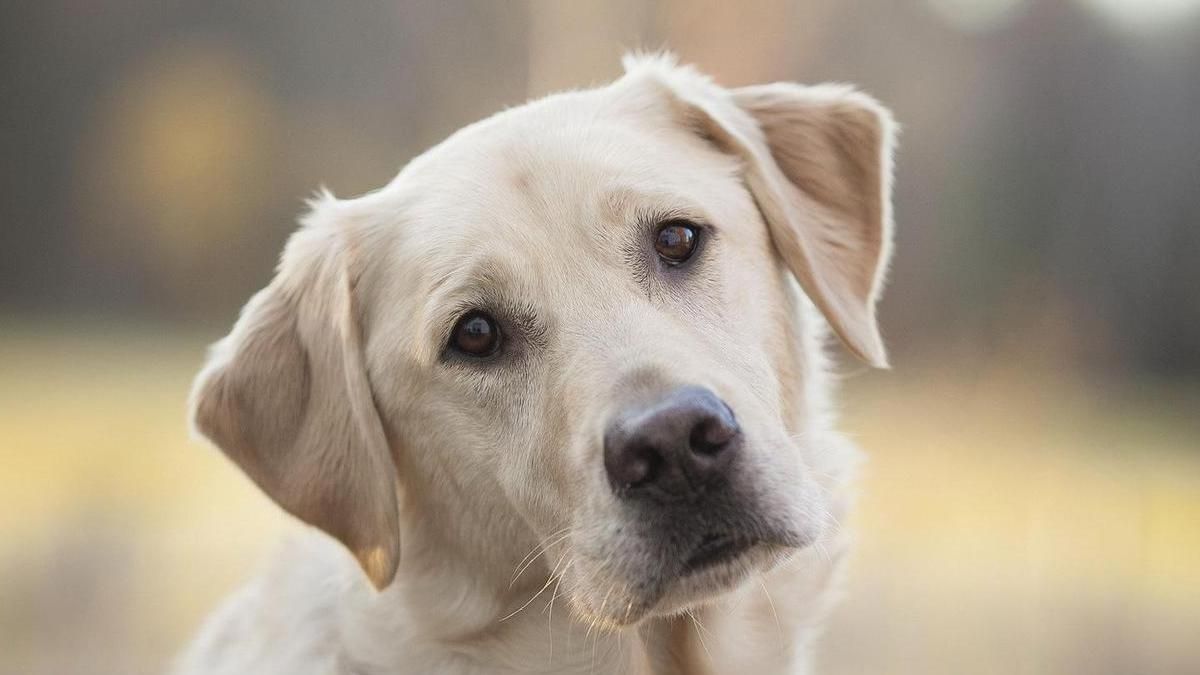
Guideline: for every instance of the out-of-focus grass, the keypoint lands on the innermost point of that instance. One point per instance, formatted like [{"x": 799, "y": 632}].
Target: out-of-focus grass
[
  {"x": 1021, "y": 520},
  {"x": 1013, "y": 520},
  {"x": 118, "y": 532}
]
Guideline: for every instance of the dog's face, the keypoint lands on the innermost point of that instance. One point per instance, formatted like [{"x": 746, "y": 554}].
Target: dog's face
[
  {"x": 573, "y": 328},
  {"x": 606, "y": 334}
]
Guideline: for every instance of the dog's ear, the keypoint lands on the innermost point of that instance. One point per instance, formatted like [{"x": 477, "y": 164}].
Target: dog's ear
[
  {"x": 818, "y": 160},
  {"x": 285, "y": 395}
]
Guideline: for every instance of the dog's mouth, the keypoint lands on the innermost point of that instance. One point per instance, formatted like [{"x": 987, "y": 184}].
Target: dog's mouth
[
  {"x": 715, "y": 549},
  {"x": 694, "y": 572}
]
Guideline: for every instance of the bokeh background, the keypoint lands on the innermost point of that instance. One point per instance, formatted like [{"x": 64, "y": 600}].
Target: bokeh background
[{"x": 1032, "y": 499}]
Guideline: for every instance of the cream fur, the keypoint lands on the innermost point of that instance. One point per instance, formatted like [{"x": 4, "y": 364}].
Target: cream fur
[{"x": 459, "y": 493}]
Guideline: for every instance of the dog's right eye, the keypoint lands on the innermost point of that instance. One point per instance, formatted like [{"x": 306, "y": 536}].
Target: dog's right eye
[
  {"x": 476, "y": 334},
  {"x": 676, "y": 241}
]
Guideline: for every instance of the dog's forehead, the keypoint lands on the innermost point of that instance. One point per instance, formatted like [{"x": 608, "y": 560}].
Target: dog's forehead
[
  {"x": 541, "y": 205},
  {"x": 534, "y": 187},
  {"x": 572, "y": 163}
]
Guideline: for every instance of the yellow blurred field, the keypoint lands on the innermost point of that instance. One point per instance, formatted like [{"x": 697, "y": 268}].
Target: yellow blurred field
[{"x": 1013, "y": 520}]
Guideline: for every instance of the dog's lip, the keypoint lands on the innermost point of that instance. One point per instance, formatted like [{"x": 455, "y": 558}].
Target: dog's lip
[
  {"x": 716, "y": 548},
  {"x": 711, "y": 566}
]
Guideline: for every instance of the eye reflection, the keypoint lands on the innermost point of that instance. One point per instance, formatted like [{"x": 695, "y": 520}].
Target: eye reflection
[{"x": 676, "y": 241}]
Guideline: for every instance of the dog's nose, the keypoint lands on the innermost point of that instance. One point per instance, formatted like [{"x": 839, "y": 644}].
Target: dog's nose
[{"x": 678, "y": 447}]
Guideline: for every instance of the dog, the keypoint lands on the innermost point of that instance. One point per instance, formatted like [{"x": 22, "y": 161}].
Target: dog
[{"x": 557, "y": 399}]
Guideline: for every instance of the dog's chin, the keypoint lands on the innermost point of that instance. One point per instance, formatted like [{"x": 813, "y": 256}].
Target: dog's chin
[
  {"x": 716, "y": 567},
  {"x": 715, "y": 577}
]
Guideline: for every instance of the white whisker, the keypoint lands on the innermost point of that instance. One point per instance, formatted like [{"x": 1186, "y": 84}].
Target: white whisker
[
  {"x": 778, "y": 627},
  {"x": 538, "y": 550},
  {"x": 700, "y": 636},
  {"x": 541, "y": 590}
]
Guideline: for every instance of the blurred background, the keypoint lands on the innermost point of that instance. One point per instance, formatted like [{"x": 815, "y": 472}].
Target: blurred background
[{"x": 1032, "y": 499}]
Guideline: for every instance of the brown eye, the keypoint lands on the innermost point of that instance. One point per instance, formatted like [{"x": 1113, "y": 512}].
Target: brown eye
[
  {"x": 476, "y": 334},
  {"x": 676, "y": 241}
]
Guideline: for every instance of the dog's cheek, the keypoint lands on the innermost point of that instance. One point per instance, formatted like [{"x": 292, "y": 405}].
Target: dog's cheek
[
  {"x": 541, "y": 462},
  {"x": 792, "y": 497},
  {"x": 602, "y": 576}
]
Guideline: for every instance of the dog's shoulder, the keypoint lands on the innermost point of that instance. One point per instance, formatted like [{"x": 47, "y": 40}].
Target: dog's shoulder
[{"x": 282, "y": 621}]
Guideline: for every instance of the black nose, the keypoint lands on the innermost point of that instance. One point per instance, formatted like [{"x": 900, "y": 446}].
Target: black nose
[{"x": 677, "y": 447}]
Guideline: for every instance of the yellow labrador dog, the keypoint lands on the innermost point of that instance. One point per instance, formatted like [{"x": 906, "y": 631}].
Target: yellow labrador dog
[{"x": 559, "y": 390}]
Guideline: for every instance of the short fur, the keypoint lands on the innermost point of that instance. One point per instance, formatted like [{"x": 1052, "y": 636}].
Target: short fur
[{"x": 473, "y": 496}]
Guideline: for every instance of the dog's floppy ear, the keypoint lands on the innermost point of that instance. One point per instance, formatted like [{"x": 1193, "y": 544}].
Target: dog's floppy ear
[
  {"x": 285, "y": 396},
  {"x": 818, "y": 160}
]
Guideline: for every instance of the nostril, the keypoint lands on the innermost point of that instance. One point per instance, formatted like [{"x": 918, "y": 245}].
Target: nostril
[
  {"x": 712, "y": 434},
  {"x": 634, "y": 467}
]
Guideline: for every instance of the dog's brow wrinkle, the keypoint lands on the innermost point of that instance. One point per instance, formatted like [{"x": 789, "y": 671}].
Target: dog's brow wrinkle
[
  {"x": 627, "y": 205},
  {"x": 522, "y": 179},
  {"x": 485, "y": 283},
  {"x": 475, "y": 282},
  {"x": 615, "y": 203}
]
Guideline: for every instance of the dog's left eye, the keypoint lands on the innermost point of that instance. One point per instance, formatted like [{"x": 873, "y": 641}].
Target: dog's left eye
[
  {"x": 676, "y": 241},
  {"x": 476, "y": 334}
]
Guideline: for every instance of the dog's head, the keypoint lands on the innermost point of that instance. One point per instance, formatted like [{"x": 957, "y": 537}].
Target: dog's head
[{"x": 573, "y": 328}]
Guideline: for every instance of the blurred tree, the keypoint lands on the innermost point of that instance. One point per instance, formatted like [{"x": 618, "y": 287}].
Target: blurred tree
[{"x": 158, "y": 152}]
